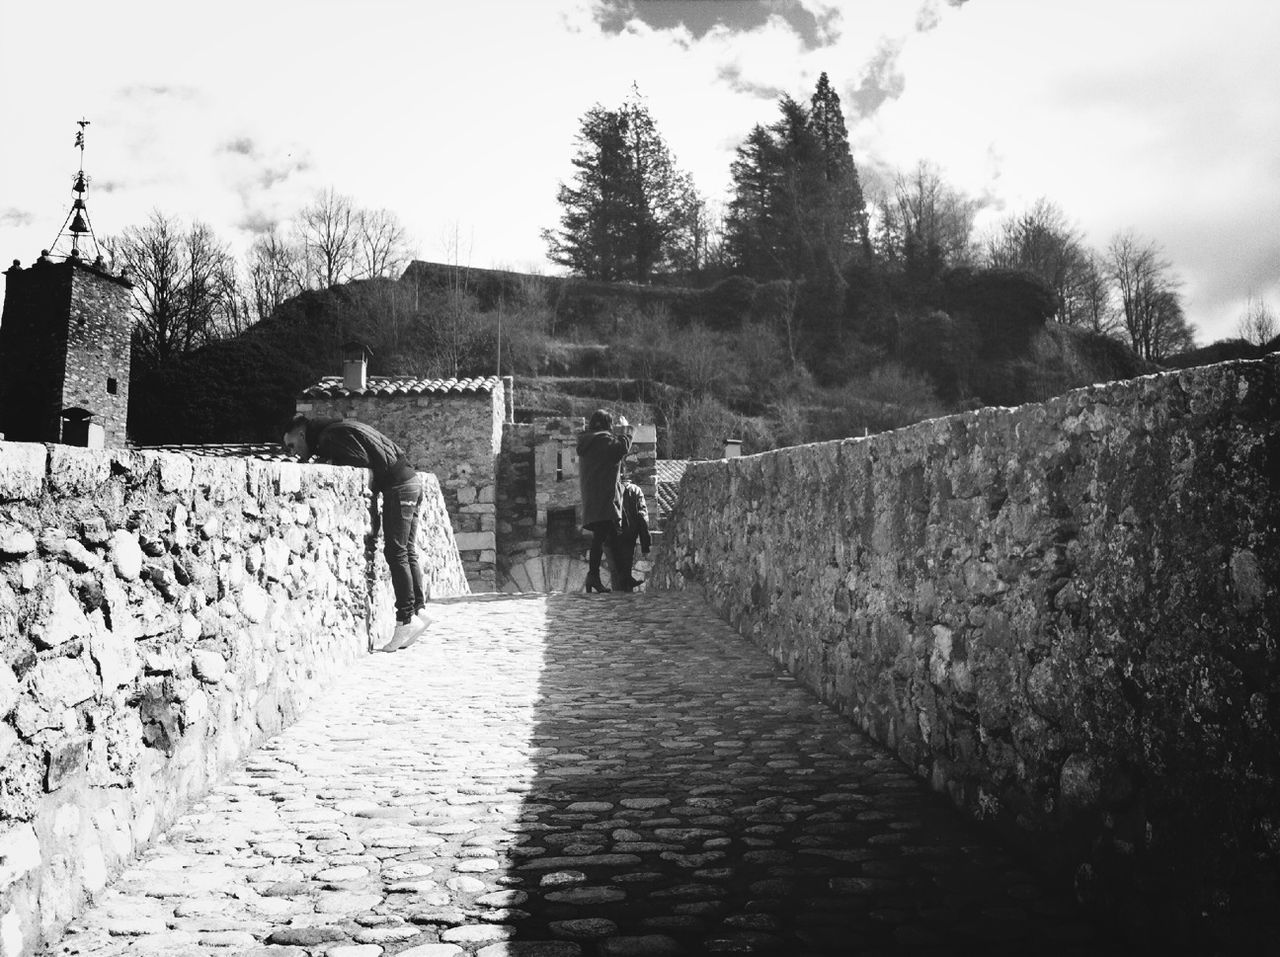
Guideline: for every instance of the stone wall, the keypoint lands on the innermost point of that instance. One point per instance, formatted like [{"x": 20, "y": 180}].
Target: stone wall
[
  {"x": 160, "y": 615},
  {"x": 455, "y": 437},
  {"x": 1065, "y": 616}
]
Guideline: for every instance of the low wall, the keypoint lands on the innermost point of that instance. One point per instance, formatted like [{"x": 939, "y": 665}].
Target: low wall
[
  {"x": 1063, "y": 615},
  {"x": 160, "y": 615}
]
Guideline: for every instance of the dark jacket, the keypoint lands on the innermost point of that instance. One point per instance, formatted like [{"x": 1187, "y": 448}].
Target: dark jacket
[
  {"x": 600, "y": 456},
  {"x": 635, "y": 515},
  {"x": 347, "y": 442}
]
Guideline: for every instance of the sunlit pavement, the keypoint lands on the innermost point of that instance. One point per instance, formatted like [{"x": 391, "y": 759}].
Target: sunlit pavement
[{"x": 549, "y": 776}]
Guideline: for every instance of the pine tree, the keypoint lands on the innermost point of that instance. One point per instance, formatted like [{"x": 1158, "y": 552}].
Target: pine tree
[
  {"x": 624, "y": 214},
  {"x": 847, "y": 228}
]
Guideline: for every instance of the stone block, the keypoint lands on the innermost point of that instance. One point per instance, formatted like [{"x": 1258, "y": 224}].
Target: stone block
[
  {"x": 208, "y": 666},
  {"x": 15, "y": 541},
  {"x": 59, "y": 617},
  {"x": 77, "y": 471},
  {"x": 8, "y": 689},
  {"x": 65, "y": 759},
  {"x": 116, "y": 657},
  {"x": 19, "y": 854},
  {"x": 475, "y": 541},
  {"x": 23, "y": 467},
  {"x": 126, "y": 555},
  {"x": 59, "y": 683}
]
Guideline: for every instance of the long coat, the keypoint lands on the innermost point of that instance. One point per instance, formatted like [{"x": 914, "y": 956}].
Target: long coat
[{"x": 600, "y": 456}]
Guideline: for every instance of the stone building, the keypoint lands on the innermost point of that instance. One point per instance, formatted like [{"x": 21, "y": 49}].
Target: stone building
[
  {"x": 64, "y": 353},
  {"x": 451, "y": 427},
  {"x": 511, "y": 488}
]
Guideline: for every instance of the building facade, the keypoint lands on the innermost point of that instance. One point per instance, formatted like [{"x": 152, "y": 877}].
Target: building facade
[{"x": 64, "y": 354}]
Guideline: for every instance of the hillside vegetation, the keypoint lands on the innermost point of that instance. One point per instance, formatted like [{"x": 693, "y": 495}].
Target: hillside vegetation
[{"x": 703, "y": 364}]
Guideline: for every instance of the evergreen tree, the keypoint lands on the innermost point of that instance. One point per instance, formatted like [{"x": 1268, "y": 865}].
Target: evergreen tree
[
  {"x": 625, "y": 214},
  {"x": 847, "y": 228},
  {"x": 797, "y": 209}
]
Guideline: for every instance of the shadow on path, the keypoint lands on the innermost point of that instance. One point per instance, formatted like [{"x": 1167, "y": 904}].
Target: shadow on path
[{"x": 689, "y": 797}]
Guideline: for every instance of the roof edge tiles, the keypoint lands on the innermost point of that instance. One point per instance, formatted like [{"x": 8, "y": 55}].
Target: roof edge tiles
[{"x": 333, "y": 387}]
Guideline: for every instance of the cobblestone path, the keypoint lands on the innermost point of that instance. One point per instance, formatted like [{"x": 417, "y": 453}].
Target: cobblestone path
[{"x": 600, "y": 776}]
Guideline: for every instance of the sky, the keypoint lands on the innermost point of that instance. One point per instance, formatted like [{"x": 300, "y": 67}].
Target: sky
[{"x": 1155, "y": 116}]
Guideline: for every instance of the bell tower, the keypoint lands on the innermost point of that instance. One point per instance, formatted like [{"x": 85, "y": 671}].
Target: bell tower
[{"x": 65, "y": 339}]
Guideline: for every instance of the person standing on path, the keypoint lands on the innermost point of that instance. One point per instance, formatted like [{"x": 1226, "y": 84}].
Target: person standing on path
[
  {"x": 600, "y": 455},
  {"x": 635, "y": 528},
  {"x": 347, "y": 442}
]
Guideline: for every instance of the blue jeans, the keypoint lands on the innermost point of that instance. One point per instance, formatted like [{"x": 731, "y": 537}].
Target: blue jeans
[{"x": 401, "y": 505}]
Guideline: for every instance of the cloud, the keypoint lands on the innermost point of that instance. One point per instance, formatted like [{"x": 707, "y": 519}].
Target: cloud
[
  {"x": 817, "y": 28},
  {"x": 243, "y": 145},
  {"x": 16, "y": 217},
  {"x": 731, "y": 73},
  {"x": 882, "y": 79},
  {"x": 257, "y": 222},
  {"x": 153, "y": 91},
  {"x": 271, "y": 176}
]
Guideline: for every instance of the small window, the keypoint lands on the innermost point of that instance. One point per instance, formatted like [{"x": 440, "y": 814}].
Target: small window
[
  {"x": 112, "y": 385},
  {"x": 559, "y": 465}
]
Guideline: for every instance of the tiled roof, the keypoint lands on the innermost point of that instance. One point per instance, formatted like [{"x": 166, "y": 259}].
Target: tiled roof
[
  {"x": 268, "y": 451},
  {"x": 669, "y": 474},
  {"x": 671, "y": 470},
  {"x": 331, "y": 386}
]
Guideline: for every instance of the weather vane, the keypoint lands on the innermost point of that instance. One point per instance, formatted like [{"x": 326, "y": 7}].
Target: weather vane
[{"x": 78, "y": 218}]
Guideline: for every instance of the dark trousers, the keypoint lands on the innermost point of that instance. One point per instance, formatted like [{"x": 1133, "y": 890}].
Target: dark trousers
[
  {"x": 401, "y": 506},
  {"x": 625, "y": 550},
  {"x": 603, "y": 535}
]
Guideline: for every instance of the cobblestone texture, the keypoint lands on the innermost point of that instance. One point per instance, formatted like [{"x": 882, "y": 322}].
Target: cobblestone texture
[{"x": 573, "y": 775}]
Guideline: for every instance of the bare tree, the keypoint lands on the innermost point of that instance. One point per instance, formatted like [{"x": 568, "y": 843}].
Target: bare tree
[
  {"x": 1093, "y": 306},
  {"x": 1042, "y": 242},
  {"x": 1149, "y": 302},
  {"x": 328, "y": 232},
  {"x": 1258, "y": 324},
  {"x": 275, "y": 273},
  {"x": 180, "y": 286},
  {"x": 925, "y": 224},
  {"x": 382, "y": 246}
]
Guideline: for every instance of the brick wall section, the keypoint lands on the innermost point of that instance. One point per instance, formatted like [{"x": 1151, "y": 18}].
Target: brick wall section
[
  {"x": 455, "y": 437},
  {"x": 65, "y": 331},
  {"x": 1062, "y": 615},
  {"x": 160, "y": 615}
]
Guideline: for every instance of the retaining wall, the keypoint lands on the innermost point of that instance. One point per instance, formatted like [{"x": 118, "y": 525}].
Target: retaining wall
[
  {"x": 1063, "y": 615},
  {"x": 160, "y": 615}
]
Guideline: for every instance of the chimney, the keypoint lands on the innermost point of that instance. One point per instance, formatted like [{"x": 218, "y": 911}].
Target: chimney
[
  {"x": 355, "y": 366},
  {"x": 732, "y": 448}
]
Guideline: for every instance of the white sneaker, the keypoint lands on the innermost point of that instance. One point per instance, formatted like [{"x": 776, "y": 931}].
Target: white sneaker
[
  {"x": 406, "y": 633},
  {"x": 422, "y": 622}
]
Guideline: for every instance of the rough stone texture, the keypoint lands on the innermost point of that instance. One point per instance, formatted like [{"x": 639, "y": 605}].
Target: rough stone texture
[
  {"x": 455, "y": 437},
  {"x": 1063, "y": 615},
  {"x": 710, "y": 805},
  {"x": 159, "y": 616}
]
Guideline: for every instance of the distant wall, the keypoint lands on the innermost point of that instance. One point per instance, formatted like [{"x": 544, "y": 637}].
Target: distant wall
[
  {"x": 160, "y": 615},
  {"x": 1063, "y": 615}
]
